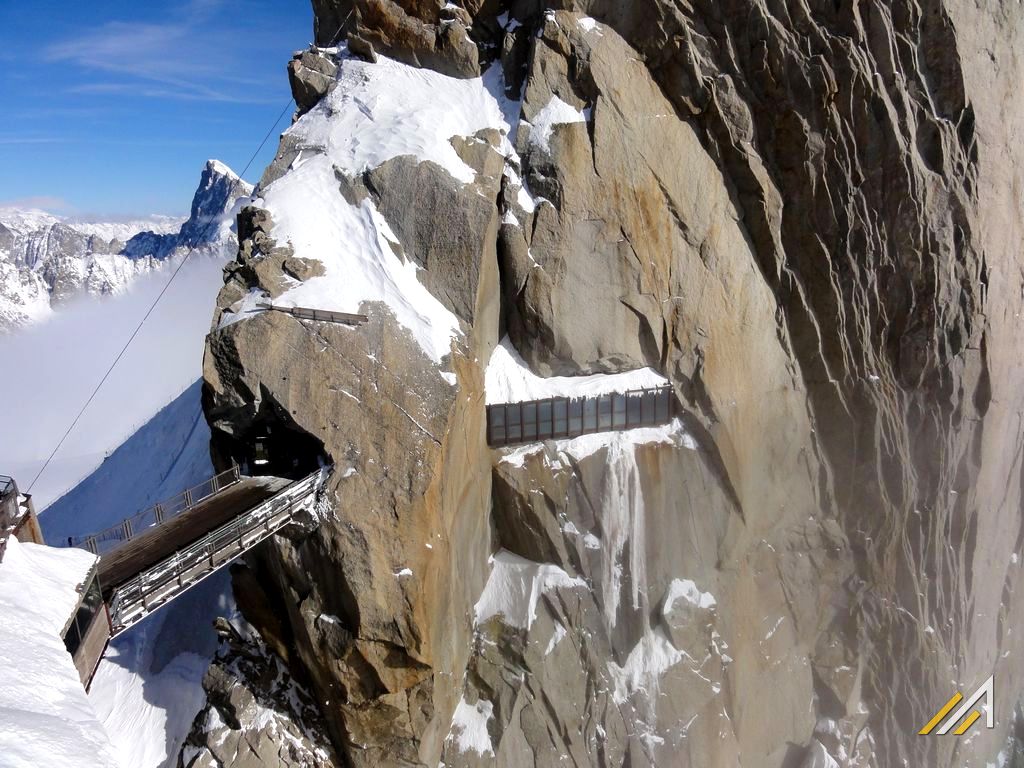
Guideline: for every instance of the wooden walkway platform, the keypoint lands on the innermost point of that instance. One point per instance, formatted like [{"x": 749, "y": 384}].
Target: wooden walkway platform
[
  {"x": 157, "y": 543},
  {"x": 110, "y": 538}
]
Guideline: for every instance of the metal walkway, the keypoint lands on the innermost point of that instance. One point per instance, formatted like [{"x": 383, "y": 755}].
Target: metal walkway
[
  {"x": 563, "y": 417},
  {"x": 136, "y": 525},
  {"x": 154, "y": 568},
  {"x": 319, "y": 315}
]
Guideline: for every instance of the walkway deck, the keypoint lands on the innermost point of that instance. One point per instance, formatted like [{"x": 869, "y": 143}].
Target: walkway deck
[
  {"x": 565, "y": 417},
  {"x": 319, "y": 315},
  {"x": 157, "y": 543},
  {"x": 101, "y": 542},
  {"x": 150, "y": 572}
]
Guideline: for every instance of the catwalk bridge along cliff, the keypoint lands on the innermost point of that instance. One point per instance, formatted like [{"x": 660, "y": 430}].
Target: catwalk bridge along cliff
[{"x": 149, "y": 559}]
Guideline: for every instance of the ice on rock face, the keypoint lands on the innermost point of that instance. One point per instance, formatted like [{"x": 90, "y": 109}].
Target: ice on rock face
[
  {"x": 515, "y": 586},
  {"x": 623, "y": 523}
]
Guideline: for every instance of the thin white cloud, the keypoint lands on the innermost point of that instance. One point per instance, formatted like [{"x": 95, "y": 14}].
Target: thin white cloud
[
  {"x": 31, "y": 140},
  {"x": 42, "y": 202},
  {"x": 188, "y": 58}
]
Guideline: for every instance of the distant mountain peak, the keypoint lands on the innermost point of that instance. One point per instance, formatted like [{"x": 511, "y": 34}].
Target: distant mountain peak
[
  {"x": 214, "y": 201},
  {"x": 46, "y": 259},
  {"x": 216, "y": 167}
]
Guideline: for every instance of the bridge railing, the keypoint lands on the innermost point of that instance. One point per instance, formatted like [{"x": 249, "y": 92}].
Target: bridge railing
[
  {"x": 320, "y": 315},
  {"x": 561, "y": 417},
  {"x": 161, "y": 583},
  {"x": 104, "y": 541}
]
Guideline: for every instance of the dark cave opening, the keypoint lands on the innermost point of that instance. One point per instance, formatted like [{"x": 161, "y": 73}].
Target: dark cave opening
[{"x": 271, "y": 443}]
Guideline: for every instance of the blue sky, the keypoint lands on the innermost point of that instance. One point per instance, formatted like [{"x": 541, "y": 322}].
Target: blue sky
[{"x": 111, "y": 107}]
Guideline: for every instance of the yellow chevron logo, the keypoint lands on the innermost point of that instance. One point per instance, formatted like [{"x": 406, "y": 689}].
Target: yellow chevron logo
[{"x": 966, "y": 713}]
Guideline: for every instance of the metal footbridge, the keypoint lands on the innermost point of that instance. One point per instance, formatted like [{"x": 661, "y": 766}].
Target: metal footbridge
[{"x": 153, "y": 557}]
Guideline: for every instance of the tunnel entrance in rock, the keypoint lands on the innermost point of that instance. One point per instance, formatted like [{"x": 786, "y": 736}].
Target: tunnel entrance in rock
[
  {"x": 276, "y": 449},
  {"x": 271, "y": 443}
]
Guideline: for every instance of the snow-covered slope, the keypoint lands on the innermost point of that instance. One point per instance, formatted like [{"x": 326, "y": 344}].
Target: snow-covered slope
[
  {"x": 45, "y": 717},
  {"x": 378, "y": 112},
  {"x": 46, "y": 261},
  {"x": 166, "y": 455},
  {"x": 148, "y": 688}
]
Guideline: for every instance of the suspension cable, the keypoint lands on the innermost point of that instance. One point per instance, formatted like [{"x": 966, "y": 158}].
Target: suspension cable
[{"x": 153, "y": 305}]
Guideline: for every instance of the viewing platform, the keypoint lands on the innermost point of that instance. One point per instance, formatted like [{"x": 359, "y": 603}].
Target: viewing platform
[
  {"x": 153, "y": 544},
  {"x": 567, "y": 417},
  {"x": 158, "y": 514}
]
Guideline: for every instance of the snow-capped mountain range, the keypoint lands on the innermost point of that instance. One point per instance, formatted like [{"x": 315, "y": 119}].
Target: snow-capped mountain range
[{"x": 48, "y": 260}]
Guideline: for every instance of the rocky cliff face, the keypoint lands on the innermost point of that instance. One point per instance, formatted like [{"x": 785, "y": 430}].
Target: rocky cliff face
[
  {"x": 805, "y": 218},
  {"x": 46, "y": 261}
]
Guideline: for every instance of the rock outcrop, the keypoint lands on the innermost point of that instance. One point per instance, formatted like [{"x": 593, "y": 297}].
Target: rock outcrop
[
  {"x": 426, "y": 34},
  {"x": 311, "y": 74},
  {"x": 256, "y": 714},
  {"x": 805, "y": 218}
]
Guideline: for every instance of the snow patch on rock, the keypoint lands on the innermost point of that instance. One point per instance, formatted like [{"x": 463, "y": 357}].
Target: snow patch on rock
[
  {"x": 386, "y": 109},
  {"x": 685, "y": 589},
  {"x": 650, "y": 658},
  {"x": 469, "y": 727},
  {"x": 508, "y": 379},
  {"x": 378, "y": 112},
  {"x": 310, "y": 214},
  {"x": 515, "y": 586},
  {"x": 555, "y": 112},
  {"x": 556, "y": 638}
]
